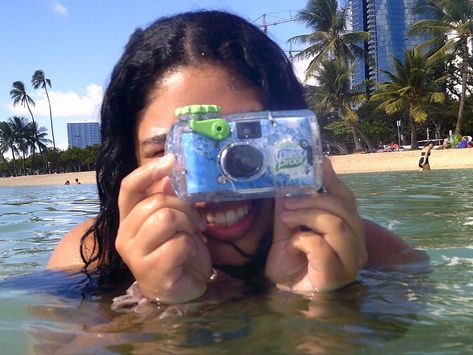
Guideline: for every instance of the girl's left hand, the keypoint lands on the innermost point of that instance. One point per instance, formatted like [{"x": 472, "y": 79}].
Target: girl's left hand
[{"x": 319, "y": 240}]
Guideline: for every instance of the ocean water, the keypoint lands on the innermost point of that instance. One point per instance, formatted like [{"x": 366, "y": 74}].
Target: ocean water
[{"x": 415, "y": 311}]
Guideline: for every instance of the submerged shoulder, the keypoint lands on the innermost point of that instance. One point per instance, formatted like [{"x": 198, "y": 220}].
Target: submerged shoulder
[
  {"x": 66, "y": 255},
  {"x": 385, "y": 248}
]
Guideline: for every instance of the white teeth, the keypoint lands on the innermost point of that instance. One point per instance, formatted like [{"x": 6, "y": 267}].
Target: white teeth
[
  {"x": 231, "y": 217},
  {"x": 227, "y": 218},
  {"x": 242, "y": 211},
  {"x": 220, "y": 218},
  {"x": 210, "y": 219}
]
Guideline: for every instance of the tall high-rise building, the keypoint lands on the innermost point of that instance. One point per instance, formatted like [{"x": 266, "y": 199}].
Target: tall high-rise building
[
  {"x": 83, "y": 134},
  {"x": 388, "y": 22}
]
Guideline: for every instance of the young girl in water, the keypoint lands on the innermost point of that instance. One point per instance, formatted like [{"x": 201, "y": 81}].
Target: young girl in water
[{"x": 172, "y": 249}]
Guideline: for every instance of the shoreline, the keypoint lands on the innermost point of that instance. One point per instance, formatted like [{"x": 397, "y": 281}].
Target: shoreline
[
  {"x": 85, "y": 177},
  {"x": 342, "y": 164},
  {"x": 401, "y": 161}
]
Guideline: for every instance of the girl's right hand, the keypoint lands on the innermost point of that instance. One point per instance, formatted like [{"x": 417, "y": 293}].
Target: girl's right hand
[{"x": 159, "y": 236}]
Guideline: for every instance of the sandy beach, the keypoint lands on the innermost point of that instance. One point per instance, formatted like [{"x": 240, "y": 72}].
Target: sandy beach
[
  {"x": 85, "y": 177},
  {"x": 402, "y": 161},
  {"x": 343, "y": 164}
]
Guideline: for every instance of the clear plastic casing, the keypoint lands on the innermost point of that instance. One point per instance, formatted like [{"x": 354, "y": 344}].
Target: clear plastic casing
[{"x": 250, "y": 155}]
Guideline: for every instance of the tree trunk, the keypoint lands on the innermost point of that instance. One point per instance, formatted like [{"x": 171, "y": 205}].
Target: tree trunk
[
  {"x": 413, "y": 125},
  {"x": 24, "y": 163},
  {"x": 464, "y": 70},
  {"x": 369, "y": 145},
  {"x": 14, "y": 161},
  {"x": 356, "y": 139},
  {"x": 8, "y": 166},
  {"x": 36, "y": 135},
  {"x": 56, "y": 161}
]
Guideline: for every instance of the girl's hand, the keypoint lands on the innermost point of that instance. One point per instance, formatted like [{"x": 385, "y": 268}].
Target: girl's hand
[
  {"x": 159, "y": 236},
  {"x": 318, "y": 242}
]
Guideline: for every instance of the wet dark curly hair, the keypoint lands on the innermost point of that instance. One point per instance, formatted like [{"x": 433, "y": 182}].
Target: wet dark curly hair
[{"x": 190, "y": 38}]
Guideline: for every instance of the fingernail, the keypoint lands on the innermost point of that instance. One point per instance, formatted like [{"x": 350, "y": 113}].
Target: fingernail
[
  {"x": 166, "y": 159},
  {"x": 158, "y": 165}
]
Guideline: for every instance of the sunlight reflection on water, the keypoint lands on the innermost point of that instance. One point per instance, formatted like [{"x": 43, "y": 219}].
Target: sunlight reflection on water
[{"x": 388, "y": 312}]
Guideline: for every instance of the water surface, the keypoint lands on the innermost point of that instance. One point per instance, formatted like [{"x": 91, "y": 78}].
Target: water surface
[{"x": 402, "y": 311}]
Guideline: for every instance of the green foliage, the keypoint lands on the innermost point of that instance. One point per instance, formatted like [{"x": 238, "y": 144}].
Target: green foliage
[
  {"x": 329, "y": 37},
  {"x": 18, "y": 138},
  {"x": 413, "y": 87},
  {"x": 448, "y": 36}
]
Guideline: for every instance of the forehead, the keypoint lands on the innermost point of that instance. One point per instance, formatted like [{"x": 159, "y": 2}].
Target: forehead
[{"x": 184, "y": 86}]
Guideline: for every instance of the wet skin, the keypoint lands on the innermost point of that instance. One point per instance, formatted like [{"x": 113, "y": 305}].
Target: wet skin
[
  {"x": 170, "y": 246},
  {"x": 180, "y": 242}
]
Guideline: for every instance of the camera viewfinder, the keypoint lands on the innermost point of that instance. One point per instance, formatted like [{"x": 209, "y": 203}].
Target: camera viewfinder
[{"x": 248, "y": 130}]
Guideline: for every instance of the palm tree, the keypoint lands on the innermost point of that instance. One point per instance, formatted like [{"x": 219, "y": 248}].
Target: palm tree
[
  {"x": 7, "y": 143},
  {"x": 40, "y": 81},
  {"x": 453, "y": 27},
  {"x": 329, "y": 38},
  {"x": 21, "y": 136},
  {"x": 41, "y": 136},
  {"x": 19, "y": 96},
  {"x": 413, "y": 87},
  {"x": 335, "y": 96}
]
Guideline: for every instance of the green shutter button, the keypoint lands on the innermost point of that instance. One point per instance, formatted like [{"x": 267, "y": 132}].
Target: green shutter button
[{"x": 213, "y": 128}]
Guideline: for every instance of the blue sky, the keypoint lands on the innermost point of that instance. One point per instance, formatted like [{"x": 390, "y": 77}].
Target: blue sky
[{"x": 77, "y": 42}]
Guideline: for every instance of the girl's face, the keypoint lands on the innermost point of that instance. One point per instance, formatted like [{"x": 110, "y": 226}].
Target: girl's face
[{"x": 242, "y": 223}]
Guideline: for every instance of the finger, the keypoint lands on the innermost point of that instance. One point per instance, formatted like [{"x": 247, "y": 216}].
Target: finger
[
  {"x": 346, "y": 245},
  {"x": 146, "y": 208},
  {"x": 324, "y": 202},
  {"x": 325, "y": 266},
  {"x": 160, "y": 227},
  {"x": 134, "y": 186},
  {"x": 281, "y": 231},
  {"x": 335, "y": 186}
]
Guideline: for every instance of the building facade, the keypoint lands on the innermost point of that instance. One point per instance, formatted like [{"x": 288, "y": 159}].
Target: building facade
[
  {"x": 388, "y": 22},
  {"x": 83, "y": 134}
]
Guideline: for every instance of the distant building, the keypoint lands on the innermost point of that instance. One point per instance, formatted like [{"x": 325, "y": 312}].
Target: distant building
[
  {"x": 83, "y": 134},
  {"x": 388, "y": 22}
]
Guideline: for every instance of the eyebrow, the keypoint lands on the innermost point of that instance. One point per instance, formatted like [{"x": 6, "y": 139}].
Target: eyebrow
[{"x": 158, "y": 139}]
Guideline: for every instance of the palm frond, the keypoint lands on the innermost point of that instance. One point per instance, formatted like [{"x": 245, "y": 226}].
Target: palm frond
[
  {"x": 437, "y": 98},
  {"x": 418, "y": 113},
  {"x": 396, "y": 106}
]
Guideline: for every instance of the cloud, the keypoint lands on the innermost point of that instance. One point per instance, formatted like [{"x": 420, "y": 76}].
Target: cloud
[
  {"x": 65, "y": 104},
  {"x": 60, "y": 9},
  {"x": 300, "y": 66}
]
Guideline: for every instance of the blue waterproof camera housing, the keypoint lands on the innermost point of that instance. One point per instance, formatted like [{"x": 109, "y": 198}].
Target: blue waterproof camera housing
[{"x": 244, "y": 156}]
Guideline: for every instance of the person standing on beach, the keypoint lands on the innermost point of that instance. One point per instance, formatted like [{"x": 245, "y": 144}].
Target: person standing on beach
[
  {"x": 424, "y": 163},
  {"x": 171, "y": 250}
]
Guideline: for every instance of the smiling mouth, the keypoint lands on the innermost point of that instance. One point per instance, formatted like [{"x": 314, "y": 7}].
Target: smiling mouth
[
  {"x": 229, "y": 221},
  {"x": 229, "y": 217}
]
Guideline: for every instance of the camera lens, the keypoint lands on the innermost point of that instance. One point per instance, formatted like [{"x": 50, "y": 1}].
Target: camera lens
[{"x": 242, "y": 161}]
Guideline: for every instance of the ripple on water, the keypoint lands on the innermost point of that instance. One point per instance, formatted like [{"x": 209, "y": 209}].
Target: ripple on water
[{"x": 386, "y": 312}]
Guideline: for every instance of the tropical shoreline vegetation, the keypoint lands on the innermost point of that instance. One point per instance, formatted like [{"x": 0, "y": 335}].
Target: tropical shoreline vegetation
[{"x": 430, "y": 90}]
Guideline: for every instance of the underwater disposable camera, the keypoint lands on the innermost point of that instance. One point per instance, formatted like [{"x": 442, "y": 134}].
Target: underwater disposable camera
[{"x": 244, "y": 156}]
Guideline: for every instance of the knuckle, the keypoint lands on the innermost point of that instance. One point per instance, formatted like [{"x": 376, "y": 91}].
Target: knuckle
[
  {"x": 338, "y": 223},
  {"x": 166, "y": 215},
  {"x": 120, "y": 246},
  {"x": 154, "y": 202},
  {"x": 126, "y": 182}
]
